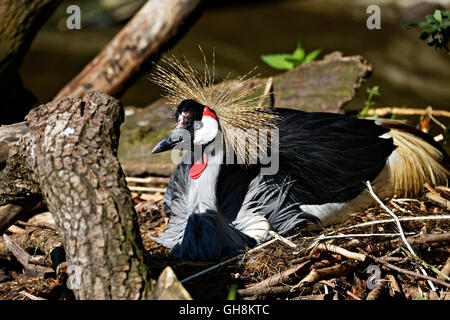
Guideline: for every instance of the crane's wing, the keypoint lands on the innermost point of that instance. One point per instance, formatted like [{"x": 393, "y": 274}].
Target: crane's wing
[{"x": 329, "y": 156}]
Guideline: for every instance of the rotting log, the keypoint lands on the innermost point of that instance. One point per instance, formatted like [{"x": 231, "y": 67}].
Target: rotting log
[
  {"x": 69, "y": 155},
  {"x": 20, "y": 20},
  {"x": 154, "y": 27}
]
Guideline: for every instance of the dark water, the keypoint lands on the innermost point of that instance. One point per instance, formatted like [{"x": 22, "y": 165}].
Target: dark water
[{"x": 406, "y": 70}]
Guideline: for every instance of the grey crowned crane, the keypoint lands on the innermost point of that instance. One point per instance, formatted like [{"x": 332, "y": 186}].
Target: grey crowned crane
[{"x": 217, "y": 209}]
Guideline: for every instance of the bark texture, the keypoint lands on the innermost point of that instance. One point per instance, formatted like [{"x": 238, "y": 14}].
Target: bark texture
[
  {"x": 150, "y": 30},
  {"x": 69, "y": 155},
  {"x": 20, "y": 20}
]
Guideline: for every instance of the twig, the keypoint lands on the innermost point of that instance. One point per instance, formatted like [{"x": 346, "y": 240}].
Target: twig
[
  {"x": 30, "y": 296},
  {"x": 341, "y": 251},
  {"x": 36, "y": 225},
  {"x": 438, "y": 217},
  {"x": 402, "y": 234},
  {"x": 445, "y": 269},
  {"x": 284, "y": 276},
  {"x": 375, "y": 293},
  {"x": 393, "y": 284},
  {"x": 282, "y": 239},
  {"x": 429, "y": 111},
  {"x": 407, "y": 111},
  {"x": 436, "y": 197},
  {"x": 398, "y": 269},
  {"x": 146, "y": 189},
  {"x": 335, "y": 271},
  {"x": 260, "y": 291},
  {"x": 148, "y": 180},
  {"x": 333, "y": 286},
  {"x": 429, "y": 238},
  {"x": 15, "y": 229},
  {"x": 443, "y": 188}
]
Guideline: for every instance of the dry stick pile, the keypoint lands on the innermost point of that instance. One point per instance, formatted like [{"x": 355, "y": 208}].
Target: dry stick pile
[{"x": 364, "y": 258}]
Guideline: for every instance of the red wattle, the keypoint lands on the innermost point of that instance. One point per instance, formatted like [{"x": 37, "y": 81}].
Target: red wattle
[
  {"x": 197, "y": 168},
  {"x": 209, "y": 113}
]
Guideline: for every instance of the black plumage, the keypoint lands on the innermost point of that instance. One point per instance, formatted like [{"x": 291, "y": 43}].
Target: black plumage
[{"x": 324, "y": 158}]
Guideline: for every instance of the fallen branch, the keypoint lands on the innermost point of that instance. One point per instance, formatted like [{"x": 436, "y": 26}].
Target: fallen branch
[
  {"x": 336, "y": 271},
  {"x": 24, "y": 258},
  {"x": 429, "y": 238},
  {"x": 343, "y": 252},
  {"x": 144, "y": 36}
]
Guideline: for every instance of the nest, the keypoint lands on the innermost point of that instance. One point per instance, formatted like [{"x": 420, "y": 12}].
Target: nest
[{"x": 361, "y": 258}]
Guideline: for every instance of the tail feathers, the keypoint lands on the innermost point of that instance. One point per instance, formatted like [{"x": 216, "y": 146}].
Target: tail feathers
[{"x": 413, "y": 163}]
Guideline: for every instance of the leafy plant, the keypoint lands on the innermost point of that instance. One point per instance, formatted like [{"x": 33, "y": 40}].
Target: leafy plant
[
  {"x": 436, "y": 29},
  {"x": 286, "y": 61},
  {"x": 368, "y": 104}
]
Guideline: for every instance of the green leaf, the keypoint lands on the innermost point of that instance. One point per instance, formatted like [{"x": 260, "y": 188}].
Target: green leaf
[
  {"x": 312, "y": 55},
  {"x": 438, "y": 15},
  {"x": 430, "y": 19},
  {"x": 233, "y": 291},
  {"x": 420, "y": 298},
  {"x": 299, "y": 53},
  {"x": 295, "y": 62},
  {"x": 278, "y": 61},
  {"x": 423, "y": 24}
]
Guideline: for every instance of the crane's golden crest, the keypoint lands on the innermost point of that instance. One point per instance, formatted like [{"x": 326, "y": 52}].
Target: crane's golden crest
[{"x": 236, "y": 102}]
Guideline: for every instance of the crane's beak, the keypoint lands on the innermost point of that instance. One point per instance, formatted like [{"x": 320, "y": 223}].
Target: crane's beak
[{"x": 175, "y": 140}]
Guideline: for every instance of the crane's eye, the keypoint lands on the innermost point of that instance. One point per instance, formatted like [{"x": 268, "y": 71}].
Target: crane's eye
[{"x": 198, "y": 125}]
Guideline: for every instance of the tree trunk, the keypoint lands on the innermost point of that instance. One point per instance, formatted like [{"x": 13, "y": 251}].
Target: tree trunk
[
  {"x": 153, "y": 28},
  {"x": 69, "y": 154},
  {"x": 20, "y": 20}
]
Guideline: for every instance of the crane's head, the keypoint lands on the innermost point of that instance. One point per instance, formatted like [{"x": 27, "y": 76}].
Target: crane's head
[
  {"x": 234, "y": 108},
  {"x": 196, "y": 124}
]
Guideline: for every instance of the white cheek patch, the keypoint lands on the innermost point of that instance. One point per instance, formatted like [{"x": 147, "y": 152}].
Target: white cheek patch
[{"x": 207, "y": 132}]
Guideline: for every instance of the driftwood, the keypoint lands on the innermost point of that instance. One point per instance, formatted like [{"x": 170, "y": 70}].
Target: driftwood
[
  {"x": 151, "y": 29},
  {"x": 69, "y": 154}
]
